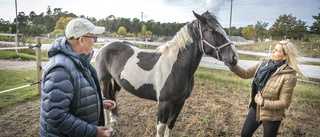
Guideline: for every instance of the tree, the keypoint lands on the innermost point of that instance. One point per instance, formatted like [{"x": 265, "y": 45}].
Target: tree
[
  {"x": 135, "y": 25},
  {"x": 49, "y": 22},
  {"x": 287, "y": 26},
  {"x": 32, "y": 17},
  {"x": 57, "y": 11},
  {"x": 109, "y": 22},
  {"x": 113, "y": 27},
  {"x": 254, "y": 32},
  {"x": 54, "y": 21},
  {"x": 36, "y": 30},
  {"x": 143, "y": 30},
  {"x": 57, "y": 14},
  {"x": 248, "y": 32},
  {"x": 299, "y": 30},
  {"x": 156, "y": 28},
  {"x": 60, "y": 26},
  {"x": 5, "y": 26},
  {"x": 122, "y": 31},
  {"x": 125, "y": 22},
  {"x": 260, "y": 29},
  {"x": 22, "y": 23},
  {"x": 149, "y": 33},
  {"x": 315, "y": 28},
  {"x": 62, "y": 23}
]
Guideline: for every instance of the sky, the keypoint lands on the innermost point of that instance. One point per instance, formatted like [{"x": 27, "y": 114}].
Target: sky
[{"x": 244, "y": 12}]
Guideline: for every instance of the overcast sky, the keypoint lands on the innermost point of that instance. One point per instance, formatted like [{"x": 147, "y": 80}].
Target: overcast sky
[{"x": 244, "y": 12}]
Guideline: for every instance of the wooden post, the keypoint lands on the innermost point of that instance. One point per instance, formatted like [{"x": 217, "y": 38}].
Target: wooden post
[{"x": 38, "y": 59}]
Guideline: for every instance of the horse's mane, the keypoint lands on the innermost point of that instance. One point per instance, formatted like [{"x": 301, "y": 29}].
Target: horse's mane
[
  {"x": 184, "y": 36},
  {"x": 211, "y": 19},
  {"x": 178, "y": 42}
]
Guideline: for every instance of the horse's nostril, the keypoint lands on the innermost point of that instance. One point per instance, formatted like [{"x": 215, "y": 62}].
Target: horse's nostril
[{"x": 235, "y": 57}]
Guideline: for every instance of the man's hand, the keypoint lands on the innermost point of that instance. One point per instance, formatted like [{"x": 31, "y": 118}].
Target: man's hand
[
  {"x": 109, "y": 104},
  {"x": 103, "y": 132}
]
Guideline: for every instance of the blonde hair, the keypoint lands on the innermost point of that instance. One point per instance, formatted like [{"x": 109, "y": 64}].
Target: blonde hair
[{"x": 291, "y": 51}]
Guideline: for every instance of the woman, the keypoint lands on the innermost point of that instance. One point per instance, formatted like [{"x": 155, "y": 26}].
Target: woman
[{"x": 272, "y": 89}]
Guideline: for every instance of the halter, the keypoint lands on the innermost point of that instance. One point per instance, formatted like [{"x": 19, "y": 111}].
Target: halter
[{"x": 217, "y": 49}]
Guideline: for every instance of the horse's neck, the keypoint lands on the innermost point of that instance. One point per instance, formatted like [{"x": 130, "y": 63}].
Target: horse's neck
[
  {"x": 184, "y": 47},
  {"x": 191, "y": 57}
]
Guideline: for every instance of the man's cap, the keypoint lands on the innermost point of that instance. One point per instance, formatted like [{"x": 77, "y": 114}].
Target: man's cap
[{"x": 79, "y": 27}]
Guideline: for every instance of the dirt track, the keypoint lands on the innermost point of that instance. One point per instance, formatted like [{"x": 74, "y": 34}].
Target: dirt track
[
  {"x": 210, "y": 111},
  {"x": 18, "y": 65}
]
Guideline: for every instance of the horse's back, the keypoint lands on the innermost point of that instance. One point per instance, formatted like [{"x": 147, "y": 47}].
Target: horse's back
[
  {"x": 112, "y": 49},
  {"x": 115, "y": 51},
  {"x": 111, "y": 55}
]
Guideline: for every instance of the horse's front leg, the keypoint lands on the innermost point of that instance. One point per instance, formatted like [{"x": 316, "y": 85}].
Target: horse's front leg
[
  {"x": 167, "y": 133},
  {"x": 161, "y": 128},
  {"x": 173, "y": 115},
  {"x": 163, "y": 115},
  {"x": 167, "y": 116}
]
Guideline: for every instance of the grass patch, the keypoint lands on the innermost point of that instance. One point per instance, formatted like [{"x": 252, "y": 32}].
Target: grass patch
[
  {"x": 12, "y": 79},
  {"x": 311, "y": 63},
  {"x": 222, "y": 78},
  {"x": 249, "y": 57},
  {"x": 11, "y": 55},
  {"x": 307, "y": 92}
]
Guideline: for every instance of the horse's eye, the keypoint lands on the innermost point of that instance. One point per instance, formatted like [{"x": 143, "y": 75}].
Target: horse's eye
[{"x": 213, "y": 32}]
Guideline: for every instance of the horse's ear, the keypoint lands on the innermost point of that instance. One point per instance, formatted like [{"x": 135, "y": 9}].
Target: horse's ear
[{"x": 200, "y": 18}]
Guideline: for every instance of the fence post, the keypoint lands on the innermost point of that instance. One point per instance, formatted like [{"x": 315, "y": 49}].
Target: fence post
[{"x": 38, "y": 59}]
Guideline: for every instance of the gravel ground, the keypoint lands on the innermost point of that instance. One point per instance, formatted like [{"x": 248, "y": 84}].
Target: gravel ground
[{"x": 19, "y": 65}]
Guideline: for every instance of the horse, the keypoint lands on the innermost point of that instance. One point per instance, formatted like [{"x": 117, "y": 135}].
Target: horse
[{"x": 167, "y": 74}]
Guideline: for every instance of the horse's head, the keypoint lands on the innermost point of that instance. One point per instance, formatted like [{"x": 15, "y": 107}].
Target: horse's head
[{"x": 214, "y": 40}]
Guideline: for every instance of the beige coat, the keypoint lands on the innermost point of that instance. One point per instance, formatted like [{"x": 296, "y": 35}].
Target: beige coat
[{"x": 277, "y": 93}]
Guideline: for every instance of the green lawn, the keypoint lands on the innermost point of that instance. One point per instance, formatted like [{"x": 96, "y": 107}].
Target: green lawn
[{"x": 11, "y": 79}]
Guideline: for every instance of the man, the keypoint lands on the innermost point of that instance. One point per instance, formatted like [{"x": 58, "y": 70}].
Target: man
[{"x": 71, "y": 101}]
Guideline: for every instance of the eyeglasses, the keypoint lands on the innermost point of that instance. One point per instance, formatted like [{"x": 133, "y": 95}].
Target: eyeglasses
[{"x": 95, "y": 38}]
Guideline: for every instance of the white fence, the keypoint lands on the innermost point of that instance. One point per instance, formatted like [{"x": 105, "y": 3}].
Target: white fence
[{"x": 38, "y": 66}]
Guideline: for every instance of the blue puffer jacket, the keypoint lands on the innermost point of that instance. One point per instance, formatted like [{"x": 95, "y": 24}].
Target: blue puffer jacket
[{"x": 70, "y": 102}]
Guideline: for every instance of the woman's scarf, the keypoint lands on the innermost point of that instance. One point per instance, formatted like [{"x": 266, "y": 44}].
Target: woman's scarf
[{"x": 265, "y": 72}]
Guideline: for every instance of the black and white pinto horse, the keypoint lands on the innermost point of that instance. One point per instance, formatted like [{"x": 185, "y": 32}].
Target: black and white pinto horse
[{"x": 166, "y": 75}]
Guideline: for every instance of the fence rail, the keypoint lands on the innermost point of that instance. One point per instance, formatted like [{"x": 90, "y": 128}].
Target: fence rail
[
  {"x": 10, "y": 48},
  {"x": 38, "y": 66},
  {"x": 4, "y": 91}
]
